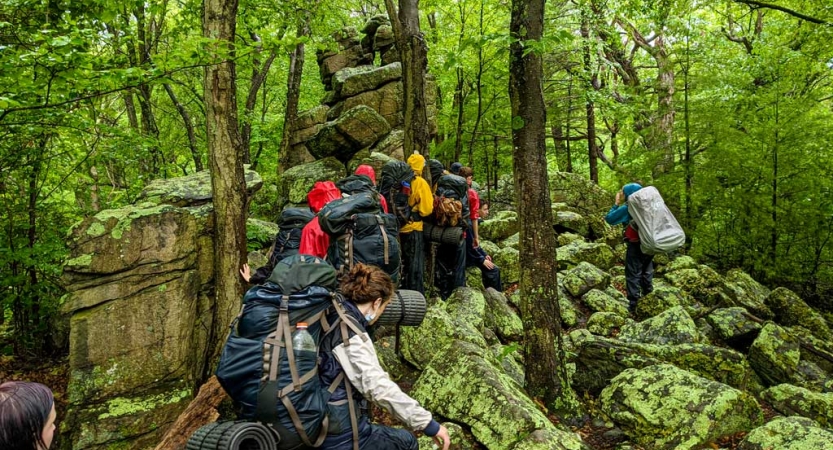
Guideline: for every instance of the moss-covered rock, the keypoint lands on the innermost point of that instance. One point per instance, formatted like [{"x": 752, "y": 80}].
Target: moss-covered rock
[
  {"x": 513, "y": 241},
  {"x": 599, "y": 301},
  {"x": 662, "y": 406},
  {"x": 568, "y": 238},
  {"x": 678, "y": 263},
  {"x": 584, "y": 277},
  {"x": 604, "y": 323},
  {"x": 775, "y": 355},
  {"x": 702, "y": 283},
  {"x": 599, "y": 359},
  {"x": 355, "y": 129},
  {"x": 468, "y": 305},
  {"x": 351, "y": 81},
  {"x": 790, "y": 309},
  {"x": 792, "y": 400},
  {"x": 260, "y": 234},
  {"x": 398, "y": 370},
  {"x": 508, "y": 259},
  {"x": 474, "y": 278},
  {"x": 570, "y": 314},
  {"x": 501, "y": 318},
  {"x": 734, "y": 327},
  {"x": 460, "y": 439},
  {"x": 437, "y": 331},
  {"x": 190, "y": 190},
  {"x": 550, "y": 439},
  {"x": 499, "y": 227},
  {"x": 600, "y": 255},
  {"x": 570, "y": 222},
  {"x": 489, "y": 247},
  {"x": 583, "y": 196},
  {"x": 296, "y": 182},
  {"x": 672, "y": 326},
  {"x": 507, "y": 357},
  {"x": 661, "y": 299},
  {"x": 466, "y": 386},
  {"x": 754, "y": 293},
  {"x": 788, "y": 433},
  {"x": 375, "y": 160}
]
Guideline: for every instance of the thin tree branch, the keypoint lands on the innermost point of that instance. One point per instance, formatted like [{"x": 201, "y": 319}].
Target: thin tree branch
[{"x": 757, "y": 4}]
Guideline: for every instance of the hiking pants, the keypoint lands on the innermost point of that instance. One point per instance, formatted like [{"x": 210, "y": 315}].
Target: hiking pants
[
  {"x": 450, "y": 268},
  {"x": 475, "y": 257},
  {"x": 413, "y": 261},
  {"x": 387, "y": 438},
  {"x": 639, "y": 273}
]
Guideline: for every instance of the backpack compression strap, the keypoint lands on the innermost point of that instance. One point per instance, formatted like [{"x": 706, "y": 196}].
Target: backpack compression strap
[{"x": 381, "y": 223}]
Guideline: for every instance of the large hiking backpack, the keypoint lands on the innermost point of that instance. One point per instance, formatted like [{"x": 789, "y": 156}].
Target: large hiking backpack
[
  {"x": 287, "y": 241},
  {"x": 451, "y": 201},
  {"x": 396, "y": 188},
  {"x": 659, "y": 231},
  {"x": 360, "y": 232},
  {"x": 258, "y": 368},
  {"x": 354, "y": 184}
]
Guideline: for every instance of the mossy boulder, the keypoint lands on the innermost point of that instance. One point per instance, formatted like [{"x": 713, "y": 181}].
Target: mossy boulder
[
  {"x": 549, "y": 439},
  {"x": 775, "y": 355},
  {"x": 752, "y": 295},
  {"x": 600, "y": 255},
  {"x": 468, "y": 305},
  {"x": 460, "y": 439},
  {"x": 673, "y": 326},
  {"x": 260, "y": 234},
  {"x": 499, "y": 227},
  {"x": 466, "y": 386},
  {"x": 502, "y": 318},
  {"x": 600, "y": 301},
  {"x": 790, "y": 310},
  {"x": 702, "y": 283},
  {"x": 599, "y": 359},
  {"x": 508, "y": 259},
  {"x": 508, "y": 357},
  {"x": 570, "y": 314},
  {"x": 570, "y": 222},
  {"x": 355, "y": 129},
  {"x": 398, "y": 370},
  {"x": 604, "y": 323},
  {"x": 190, "y": 190},
  {"x": 489, "y": 247},
  {"x": 387, "y": 101},
  {"x": 662, "y": 406},
  {"x": 392, "y": 144},
  {"x": 296, "y": 182},
  {"x": 792, "y": 400},
  {"x": 583, "y": 196},
  {"x": 568, "y": 238},
  {"x": 375, "y": 160},
  {"x": 474, "y": 278},
  {"x": 351, "y": 81},
  {"x": 734, "y": 326},
  {"x": 661, "y": 299},
  {"x": 788, "y": 433},
  {"x": 513, "y": 241},
  {"x": 678, "y": 263},
  {"x": 437, "y": 331},
  {"x": 583, "y": 278}
]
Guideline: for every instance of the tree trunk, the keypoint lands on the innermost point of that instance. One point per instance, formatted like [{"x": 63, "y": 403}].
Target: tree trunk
[
  {"x": 227, "y": 177},
  {"x": 414, "y": 55},
  {"x": 478, "y": 79},
  {"x": 546, "y": 373},
  {"x": 293, "y": 94},
  {"x": 189, "y": 128},
  {"x": 663, "y": 128},
  {"x": 201, "y": 411},
  {"x": 459, "y": 99},
  {"x": 259, "y": 74},
  {"x": 592, "y": 82}
]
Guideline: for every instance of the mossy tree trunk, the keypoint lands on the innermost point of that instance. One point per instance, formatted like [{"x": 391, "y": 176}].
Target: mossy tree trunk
[
  {"x": 227, "y": 176},
  {"x": 414, "y": 55},
  {"x": 546, "y": 374}
]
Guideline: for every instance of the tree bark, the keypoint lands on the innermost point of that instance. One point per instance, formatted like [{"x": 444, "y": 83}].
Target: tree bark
[
  {"x": 546, "y": 374},
  {"x": 592, "y": 81},
  {"x": 259, "y": 74},
  {"x": 459, "y": 99},
  {"x": 227, "y": 176},
  {"x": 293, "y": 94},
  {"x": 414, "y": 55},
  {"x": 200, "y": 412}
]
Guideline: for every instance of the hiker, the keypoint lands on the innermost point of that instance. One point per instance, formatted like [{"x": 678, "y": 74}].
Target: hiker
[
  {"x": 475, "y": 255},
  {"x": 455, "y": 167},
  {"x": 314, "y": 241},
  {"x": 27, "y": 416},
  {"x": 639, "y": 267},
  {"x": 474, "y": 206},
  {"x": 368, "y": 291},
  {"x": 451, "y": 208},
  {"x": 368, "y": 171},
  {"x": 421, "y": 204},
  {"x": 483, "y": 212},
  {"x": 286, "y": 243}
]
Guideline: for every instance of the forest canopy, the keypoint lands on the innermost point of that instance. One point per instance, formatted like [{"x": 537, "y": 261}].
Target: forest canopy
[{"x": 725, "y": 105}]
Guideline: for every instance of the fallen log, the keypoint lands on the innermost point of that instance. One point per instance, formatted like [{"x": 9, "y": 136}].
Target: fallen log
[{"x": 201, "y": 411}]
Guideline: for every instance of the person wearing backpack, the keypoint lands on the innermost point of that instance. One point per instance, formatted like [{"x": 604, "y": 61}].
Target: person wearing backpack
[
  {"x": 367, "y": 291},
  {"x": 314, "y": 241},
  {"x": 451, "y": 209},
  {"x": 368, "y": 171},
  {"x": 639, "y": 267},
  {"x": 286, "y": 243}
]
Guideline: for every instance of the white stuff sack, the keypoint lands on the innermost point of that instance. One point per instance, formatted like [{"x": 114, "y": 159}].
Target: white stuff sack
[{"x": 659, "y": 231}]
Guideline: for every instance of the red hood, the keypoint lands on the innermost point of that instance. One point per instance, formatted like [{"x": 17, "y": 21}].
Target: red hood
[
  {"x": 322, "y": 193},
  {"x": 367, "y": 171}
]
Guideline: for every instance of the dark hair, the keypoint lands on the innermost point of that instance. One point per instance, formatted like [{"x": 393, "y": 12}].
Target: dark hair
[
  {"x": 466, "y": 172},
  {"x": 365, "y": 283},
  {"x": 484, "y": 203},
  {"x": 24, "y": 411}
]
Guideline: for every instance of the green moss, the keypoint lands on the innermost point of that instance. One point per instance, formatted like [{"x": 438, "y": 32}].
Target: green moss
[
  {"x": 80, "y": 261},
  {"x": 124, "y": 217},
  {"x": 119, "y": 406},
  {"x": 96, "y": 229}
]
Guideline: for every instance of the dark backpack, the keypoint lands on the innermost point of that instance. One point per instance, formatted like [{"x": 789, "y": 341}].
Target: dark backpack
[
  {"x": 287, "y": 241},
  {"x": 451, "y": 201},
  {"x": 354, "y": 184},
  {"x": 360, "y": 232},
  {"x": 271, "y": 383},
  {"x": 396, "y": 188}
]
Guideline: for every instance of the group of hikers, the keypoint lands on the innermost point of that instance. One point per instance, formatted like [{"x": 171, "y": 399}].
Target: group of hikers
[{"x": 319, "y": 398}]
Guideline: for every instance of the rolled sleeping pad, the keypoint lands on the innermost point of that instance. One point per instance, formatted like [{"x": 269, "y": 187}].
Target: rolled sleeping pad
[
  {"x": 407, "y": 308},
  {"x": 443, "y": 235},
  {"x": 233, "y": 435}
]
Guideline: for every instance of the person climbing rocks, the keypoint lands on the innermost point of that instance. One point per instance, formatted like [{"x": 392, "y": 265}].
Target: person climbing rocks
[
  {"x": 639, "y": 267},
  {"x": 475, "y": 255},
  {"x": 314, "y": 241},
  {"x": 412, "y": 241},
  {"x": 369, "y": 172}
]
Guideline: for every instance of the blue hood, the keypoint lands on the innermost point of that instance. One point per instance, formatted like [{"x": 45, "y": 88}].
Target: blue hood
[{"x": 630, "y": 188}]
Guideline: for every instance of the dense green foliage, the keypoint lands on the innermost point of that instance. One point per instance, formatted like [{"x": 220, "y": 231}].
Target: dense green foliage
[{"x": 725, "y": 106}]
